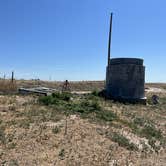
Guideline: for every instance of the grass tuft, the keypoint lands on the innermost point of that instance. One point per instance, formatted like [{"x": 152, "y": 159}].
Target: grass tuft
[
  {"x": 149, "y": 131},
  {"x": 107, "y": 116},
  {"x": 124, "y": 142}
]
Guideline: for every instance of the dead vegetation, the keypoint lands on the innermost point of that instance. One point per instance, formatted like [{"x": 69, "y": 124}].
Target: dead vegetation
[
  {"x": 71, "y": 129},
  {"x": 7, "y": 86}
]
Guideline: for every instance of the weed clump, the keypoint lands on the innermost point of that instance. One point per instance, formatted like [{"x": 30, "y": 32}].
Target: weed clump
[
  {"x": 55, "y": 98},
  {"x": 124, "y": 142},
  {"x": 88, "y": 106},
  {"x": 48, "y": 100},
  {"x": 149, "y": 131},
  {"x": 84, "y": 107},
  {"x": 95, "y": 92},
  {"x": 107, "y": 116},
  {"x": 139, "y": 121},
  {"x": 62, "y": 96}
]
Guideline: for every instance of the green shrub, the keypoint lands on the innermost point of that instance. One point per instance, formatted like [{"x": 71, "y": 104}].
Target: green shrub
[
  {"x": 139, "y": 121},
  {"x": 129, "y": 124},
  {"x": 65, "y": 96},
  {"x": 62, "y": 96},
  {"x": 56, "y": 95},
  {"x": 107, "y": 116},
  {"x": 90, "y": 106},
  {"x": 124, "y": 142},
  {"x": 95, "y": 105},
  {"x": 55, "y": 98},
  {"x": 77, "y": 108},
  {"x": 95, "y": 92},
  {"x": 149, "y": 131},
  {"x": 48, "y": 100},
  {"x": 85, "y": 106}
]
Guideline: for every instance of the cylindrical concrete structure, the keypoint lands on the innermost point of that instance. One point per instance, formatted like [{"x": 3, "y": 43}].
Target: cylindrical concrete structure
[{"x": 125, "y": 79}]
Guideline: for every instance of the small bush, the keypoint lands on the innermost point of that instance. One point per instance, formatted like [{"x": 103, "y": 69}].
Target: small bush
[
  {"x": 124, "y": 142},
  {"x": 150, "y": 131},
  {"x": 95, "y": 105},
  {"x": 77, "y": 108},
  {"x": 90, "y": 106},
  {"x": 139, "y": 121},
  {"x": 85, "y": 106},
  {"x": 62, "y": 96},
  {"x": 55, "y": 98},
  {"x": 95, "y": 92},
  {"x": 56, "y": 95},
  {"x": 129, "y": 124},
  {"x": 48, "y": 100},
  {"x": 65, "y": 96},
  {"x": 107, "y": 116}
]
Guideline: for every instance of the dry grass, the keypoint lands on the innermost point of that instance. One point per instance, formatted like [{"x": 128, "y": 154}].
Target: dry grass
[
  {"x": 7, "y": 86},
  {"x": 75, "y": 85},
  {"x": 156, "y": 85},
  {"x": 73, "y": 133}
]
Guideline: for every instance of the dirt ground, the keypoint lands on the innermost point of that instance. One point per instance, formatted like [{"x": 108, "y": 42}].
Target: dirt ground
[{"x": 28, "y": 137}]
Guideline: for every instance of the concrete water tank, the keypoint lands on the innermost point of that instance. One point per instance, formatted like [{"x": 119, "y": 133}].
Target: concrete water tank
[{"x": 125, "y": 79}]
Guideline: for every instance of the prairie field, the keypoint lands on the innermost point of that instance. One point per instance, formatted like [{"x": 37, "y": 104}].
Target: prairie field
[{"x": 69, "y": 129}]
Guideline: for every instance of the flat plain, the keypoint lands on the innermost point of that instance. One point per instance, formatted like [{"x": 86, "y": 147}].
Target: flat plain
[{"x": 81, "y": 129}]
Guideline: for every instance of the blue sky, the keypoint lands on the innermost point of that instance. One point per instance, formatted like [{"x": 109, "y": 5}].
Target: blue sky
[{"x": 67, "y": 39}]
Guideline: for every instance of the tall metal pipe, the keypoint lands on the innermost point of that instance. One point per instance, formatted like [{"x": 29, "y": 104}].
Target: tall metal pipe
[{"x": 109, "y": 41}]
